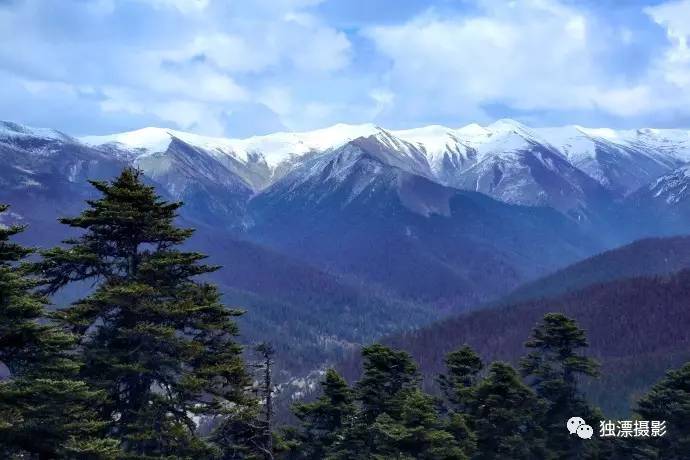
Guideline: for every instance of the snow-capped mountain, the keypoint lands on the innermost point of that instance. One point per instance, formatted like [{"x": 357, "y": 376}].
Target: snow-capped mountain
[
  {"x": 578, "y": 171},
  {"x": 396, "y": 211},
  {"x": 560, "y": 167},
  {"x": 515, "y": 163},
  {"x": 16, "y": 133},
  {"x": 258, "y": 160},
  {"x": 361, "y": 211}
]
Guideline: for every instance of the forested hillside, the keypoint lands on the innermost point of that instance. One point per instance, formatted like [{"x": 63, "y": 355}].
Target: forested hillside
[
  {"x": 651, "y": 256},
  {"x": 637, "y": 328}
]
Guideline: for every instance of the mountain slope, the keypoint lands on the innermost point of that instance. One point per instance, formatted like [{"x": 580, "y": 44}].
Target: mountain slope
[
  {"x": 662, "y": 207},
  {"x": 310, "y": 317},
  {"x": 637, "y": 328},
  {"x": 656, "y": 256},
  {"x": 45, "y": 173},
  {"x": 571, "y": 168},
  {"x": 620, "y": 161},
  {"x": 356, "y": 213}
]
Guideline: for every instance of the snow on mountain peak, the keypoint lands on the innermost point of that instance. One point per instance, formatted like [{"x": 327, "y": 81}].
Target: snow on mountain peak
[
  {"x": 11, "y": 130},
  {"x": 281, "y": 146},
  {"x": 507, "y": 124},
  {"x": 448, "y": 154},
  {"x": 606, "y": 133},
  {"x": 150, "y": 139},
  {"x": 274, "y": 148}
]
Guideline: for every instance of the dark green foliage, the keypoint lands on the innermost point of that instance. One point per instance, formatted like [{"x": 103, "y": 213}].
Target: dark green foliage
[
  {"x": 45, "y": 410},
  {"x": 321, "y": 421},
  {"x": 25, "y": 344},
  {"x": 507, "y": 416},
  {"x": 553, "y": 368},
  {"x": 387, "y": 416},
  {"x": 156, "y": 340},
  {"x": 417, "y": 433},
  {"x": 669, "y": 400},
  {"x": 388, "y": 379},
  {"x": 463, "y": 366},
  {"x": 387, "y": 375},
  {"x": 157, "y": 348}
]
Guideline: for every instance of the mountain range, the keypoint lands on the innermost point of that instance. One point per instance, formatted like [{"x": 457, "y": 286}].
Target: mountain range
[{"x": 340, "y": 235}]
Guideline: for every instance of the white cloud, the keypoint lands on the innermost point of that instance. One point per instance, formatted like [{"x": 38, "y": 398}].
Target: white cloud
[
  {"x": 531, "y": 55},
  {"x": 205, "y": 64},
  {"x": 189, "y": 62},
  {"x": 277, "y": 98},
  {"x": 674, "y": 65}
]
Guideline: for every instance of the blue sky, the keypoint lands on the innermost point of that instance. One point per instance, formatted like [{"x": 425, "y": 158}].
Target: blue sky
[{"x": 244, "y": 67}]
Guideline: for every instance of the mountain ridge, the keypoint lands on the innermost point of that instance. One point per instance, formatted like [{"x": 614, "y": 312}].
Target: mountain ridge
[{"x": 449, "y": 153}]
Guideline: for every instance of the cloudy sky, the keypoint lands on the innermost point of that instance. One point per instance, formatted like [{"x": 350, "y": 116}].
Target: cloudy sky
[{"x": 244, "y": 67}]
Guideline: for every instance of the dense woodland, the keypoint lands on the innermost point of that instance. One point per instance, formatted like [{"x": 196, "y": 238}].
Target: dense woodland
[{"x": 148, "y": 366}]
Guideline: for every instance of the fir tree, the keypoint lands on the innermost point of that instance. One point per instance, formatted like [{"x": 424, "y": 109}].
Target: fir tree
[
  {"x": 463, "y": 366},
  {"x": 389, "y": 377},
  {"x": 553, "y": 368},
  {"x": 417, "y": 433},
  {"x": 155, "y": 339},
  {"x": 46, "y": 411},
  {"x": 669, "y": 401},
  {"x": 322, "y": 421},
  {"x": 507, "y": 417},
  {"x": 388, "y": 374}
]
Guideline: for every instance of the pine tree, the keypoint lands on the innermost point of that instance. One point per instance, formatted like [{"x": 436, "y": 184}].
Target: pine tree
[
  {"x": 155, "y": 339},
  {"x": 322, "y": 421},
  {"x": 507, "y": 417},
  {"x": 553, "y": 368},
  {"x": 463, "y": 367},
  {"x": 389, "y": 377},
  {"x": 46, "y": 411},
  {"x": 669, "y": 401},
  {"x": 388, "y": 374},
  {"x": 417, "y": 433}
]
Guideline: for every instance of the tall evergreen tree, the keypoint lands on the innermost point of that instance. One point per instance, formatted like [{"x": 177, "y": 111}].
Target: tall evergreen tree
[
  {"x": 388, "y": 374},
  {"x": 322, "y": 421},
  {"x": 553, "y": 368},
  {"x": 463, "y": 367},
  {"x": 507, "y": 417},
  {"x": 45, "y": 410},
  {"x": 154, "y": 337},
  {"x": 416, "y": 433},
  {"x": 669, "y": 401},
  {"x": 389, "y": 377}
]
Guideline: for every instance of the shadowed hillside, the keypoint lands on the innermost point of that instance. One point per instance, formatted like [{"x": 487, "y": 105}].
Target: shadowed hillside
[
  {"x": 653, "y": 256},
  {"x": 637, "y": 328}
]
